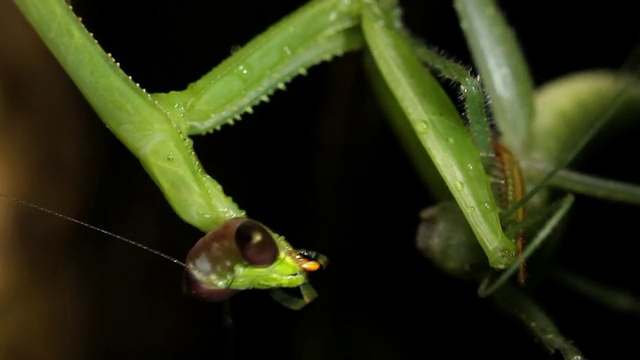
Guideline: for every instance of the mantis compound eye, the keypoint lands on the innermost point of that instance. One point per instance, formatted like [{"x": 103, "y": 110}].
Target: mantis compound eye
[{"x": 255, "y": 244}]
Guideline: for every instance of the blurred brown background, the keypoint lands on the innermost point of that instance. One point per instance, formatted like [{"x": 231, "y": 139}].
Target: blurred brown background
[{"x": 330, "y": 176}]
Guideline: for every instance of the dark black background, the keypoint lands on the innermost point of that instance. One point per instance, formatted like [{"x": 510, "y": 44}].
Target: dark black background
[{"x": 320, "y": 165}]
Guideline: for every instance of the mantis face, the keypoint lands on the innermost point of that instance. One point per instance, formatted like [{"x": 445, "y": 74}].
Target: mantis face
[{"x": 243, "y": 254}]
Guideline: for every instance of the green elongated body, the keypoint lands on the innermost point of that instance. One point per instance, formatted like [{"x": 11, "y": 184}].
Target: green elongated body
[
  {"x": 440, "y": 130},
  {"x": 155, "y": 128},
  {"x": 157, "y": 136},
  {"x": 148, "y": 130},
  {"x": 316, "y": 32}
]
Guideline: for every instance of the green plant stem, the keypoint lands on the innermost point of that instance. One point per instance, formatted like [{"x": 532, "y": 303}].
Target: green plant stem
[
  {"x": 514, "y": 301},
  {"x": 613, "y": 298},
  {"x": 577, "y": 108},
  {"x": 587, "y": 184},
  {"x": 502, "y": 67}
]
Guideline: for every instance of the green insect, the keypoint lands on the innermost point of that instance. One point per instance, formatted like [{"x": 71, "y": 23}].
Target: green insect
[
  {"x": 243, "y": 254},
  {"x": 239, "y": 253},
  {"x": 444, "y": 235},
  {"x": 155, "y": 127}
]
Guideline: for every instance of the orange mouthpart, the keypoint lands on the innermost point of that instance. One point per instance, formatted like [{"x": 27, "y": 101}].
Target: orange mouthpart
[{"x": 309, "y": 265}]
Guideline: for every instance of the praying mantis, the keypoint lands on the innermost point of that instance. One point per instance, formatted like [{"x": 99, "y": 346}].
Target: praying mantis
[{"x": 224, "y": 130}]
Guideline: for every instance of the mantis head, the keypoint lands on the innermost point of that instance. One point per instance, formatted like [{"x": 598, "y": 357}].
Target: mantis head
[{"x": 244, "y": 254}]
